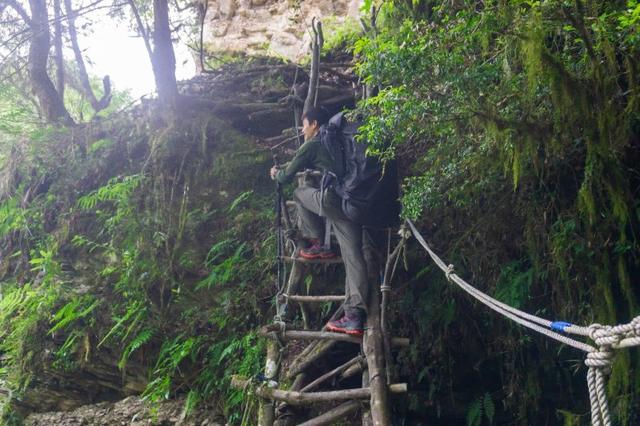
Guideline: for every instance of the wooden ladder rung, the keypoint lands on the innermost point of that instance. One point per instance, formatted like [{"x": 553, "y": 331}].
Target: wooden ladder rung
[
  {"x": 329, "y": 261},
  {"x": 315, "y": 299},
  {"x": 327, "y": 335},
  {"x": 308, "y": 398}
]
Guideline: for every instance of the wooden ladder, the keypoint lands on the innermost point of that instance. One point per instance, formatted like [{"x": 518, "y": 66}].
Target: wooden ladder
[{"x": 372, "y": 399}]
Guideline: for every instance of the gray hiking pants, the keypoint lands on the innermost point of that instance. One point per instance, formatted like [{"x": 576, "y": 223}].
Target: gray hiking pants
[{"x": 349, "y": 237}]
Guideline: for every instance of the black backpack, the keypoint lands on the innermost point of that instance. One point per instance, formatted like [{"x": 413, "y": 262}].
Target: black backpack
[{"x": 369, "y": 190}]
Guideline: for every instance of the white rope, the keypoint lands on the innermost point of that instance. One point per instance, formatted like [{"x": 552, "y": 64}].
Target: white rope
[{"x": 599, "y": 358}]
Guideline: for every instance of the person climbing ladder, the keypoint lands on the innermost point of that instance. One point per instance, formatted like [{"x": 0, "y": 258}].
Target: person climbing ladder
[{"x": 314, "y": 202}]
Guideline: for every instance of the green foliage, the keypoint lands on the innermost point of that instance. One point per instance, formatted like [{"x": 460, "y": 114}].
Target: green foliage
[
  {"x": 224, "y": 267},
  {"x": 117, "y": 190},
  {"x": 514, "y": 284},
  {"x": 482, "y": 408},
  {"x": 340, "y": 35},
  {"x": 517, "y": 124},
  {"x": 77, "y": 308}
]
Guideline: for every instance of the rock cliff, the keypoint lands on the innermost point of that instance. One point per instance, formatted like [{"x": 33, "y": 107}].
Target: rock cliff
[{"x": 271, "y": 27}]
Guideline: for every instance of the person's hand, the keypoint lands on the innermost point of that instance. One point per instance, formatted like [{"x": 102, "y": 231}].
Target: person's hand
[{"x": 273, "y": 172}]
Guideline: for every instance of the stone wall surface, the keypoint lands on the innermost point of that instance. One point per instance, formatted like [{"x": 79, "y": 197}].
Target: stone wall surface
[{"x": 273, "y": 27}]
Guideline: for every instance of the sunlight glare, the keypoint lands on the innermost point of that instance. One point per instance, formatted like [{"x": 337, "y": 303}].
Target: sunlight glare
[{"x": 116, "y": 51}]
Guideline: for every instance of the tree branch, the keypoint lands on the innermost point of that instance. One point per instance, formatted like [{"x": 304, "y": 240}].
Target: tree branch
[
  {"x": 19, "y": 9},
  {"x": 96, "y": 104}
]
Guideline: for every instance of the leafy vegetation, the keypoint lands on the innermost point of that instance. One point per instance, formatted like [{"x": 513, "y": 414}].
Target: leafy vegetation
[
  {"x": 518, "y": 122},
  {"x": 517, "y": 125},
  {"x": 108, "y": 253}
]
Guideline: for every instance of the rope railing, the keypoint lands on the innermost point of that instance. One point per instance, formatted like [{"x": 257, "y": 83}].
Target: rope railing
[{"x": 599, "y": 357}]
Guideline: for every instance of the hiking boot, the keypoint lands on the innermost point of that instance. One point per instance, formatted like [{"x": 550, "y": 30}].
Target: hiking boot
[
  {"x": 316, "y": 251},
  {"x": 352, "y": 323}
]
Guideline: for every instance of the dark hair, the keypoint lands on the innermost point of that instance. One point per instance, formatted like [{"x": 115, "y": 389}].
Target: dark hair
[{"x": 315, "y": 114}]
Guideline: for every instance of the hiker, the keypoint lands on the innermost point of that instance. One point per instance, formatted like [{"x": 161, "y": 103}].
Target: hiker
[{"x": 312, "y": 202}]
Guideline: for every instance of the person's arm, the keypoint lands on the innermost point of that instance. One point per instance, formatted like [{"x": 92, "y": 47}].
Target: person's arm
[{"x": 300, "y": 161}]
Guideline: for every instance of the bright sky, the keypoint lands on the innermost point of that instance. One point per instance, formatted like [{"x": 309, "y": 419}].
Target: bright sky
[{"x": 114, "y": 50}]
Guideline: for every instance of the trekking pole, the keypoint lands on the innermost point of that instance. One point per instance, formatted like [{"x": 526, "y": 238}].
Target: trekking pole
[{"x": 280, "y": 304}]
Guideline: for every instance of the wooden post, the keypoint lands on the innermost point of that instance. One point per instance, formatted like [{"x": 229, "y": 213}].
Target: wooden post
[
  {"x": 267, "y": 407},
  {"x": 284, "y": 414},
  {"x": 366, "y": 411},
  {"x": 372, "y": 343}
]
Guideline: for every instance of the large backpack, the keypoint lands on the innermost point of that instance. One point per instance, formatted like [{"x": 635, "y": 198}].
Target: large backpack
[{"x": 368, "y": 189}]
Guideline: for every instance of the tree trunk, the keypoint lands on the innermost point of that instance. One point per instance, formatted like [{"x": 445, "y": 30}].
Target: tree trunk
[
  {"x": 163, "y": 59},
  {"x": 57, "y": 42},
  {"x": 97, "y": 104},
  {"x": 51, "y": 105}
]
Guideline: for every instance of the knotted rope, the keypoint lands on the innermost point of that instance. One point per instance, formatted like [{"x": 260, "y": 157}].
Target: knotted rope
[{"x": 599, "y": 357}]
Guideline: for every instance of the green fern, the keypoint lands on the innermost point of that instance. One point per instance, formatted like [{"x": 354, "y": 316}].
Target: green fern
[
  {"x": 117, "y": 189},
  {"x": 143, "y": 337},
  {"x": 72, "y": 311}
]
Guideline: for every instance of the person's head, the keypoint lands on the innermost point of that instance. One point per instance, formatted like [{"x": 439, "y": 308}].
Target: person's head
[{"x": 312, "y": 119}]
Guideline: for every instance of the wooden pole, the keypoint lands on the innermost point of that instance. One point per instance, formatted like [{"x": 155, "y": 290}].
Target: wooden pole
[
  {"x": 372, "y": 342},
  {"x": 327, "y": 335},
  {"x": 331, "y": 260},
  {"x": 352, "y": 371},
  {"x": 284, "y": 415},
  {"x": 308, "y": 398},
  {"x": 300, "y": 364},
  {"x": 366, "y": 411},
  {"x": 331, "y": 374},
  {"x": 316, "y": 299},
  {"x": 331, "y": 416},
  {"x": 267, "y": 407}
]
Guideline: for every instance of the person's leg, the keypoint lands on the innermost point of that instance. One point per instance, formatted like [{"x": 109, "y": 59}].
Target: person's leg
[
  {"x": 349, "y": 235},
  {"x": 308, "y": 205},
  {"x": 308, "y": 201}
]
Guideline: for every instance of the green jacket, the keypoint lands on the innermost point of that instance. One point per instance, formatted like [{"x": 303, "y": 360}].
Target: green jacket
[{"x": 311, "y": 155}]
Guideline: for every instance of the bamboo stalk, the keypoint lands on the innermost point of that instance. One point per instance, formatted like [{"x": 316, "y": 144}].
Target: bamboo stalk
[
  {"x": 308, "y": 398},
  {"x": 331, "y": 416}
]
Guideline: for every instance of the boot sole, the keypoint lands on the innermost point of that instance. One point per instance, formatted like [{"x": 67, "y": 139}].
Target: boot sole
[
  {"x": 356, "y": 333},
  {"x": 317, "y": 256}
]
